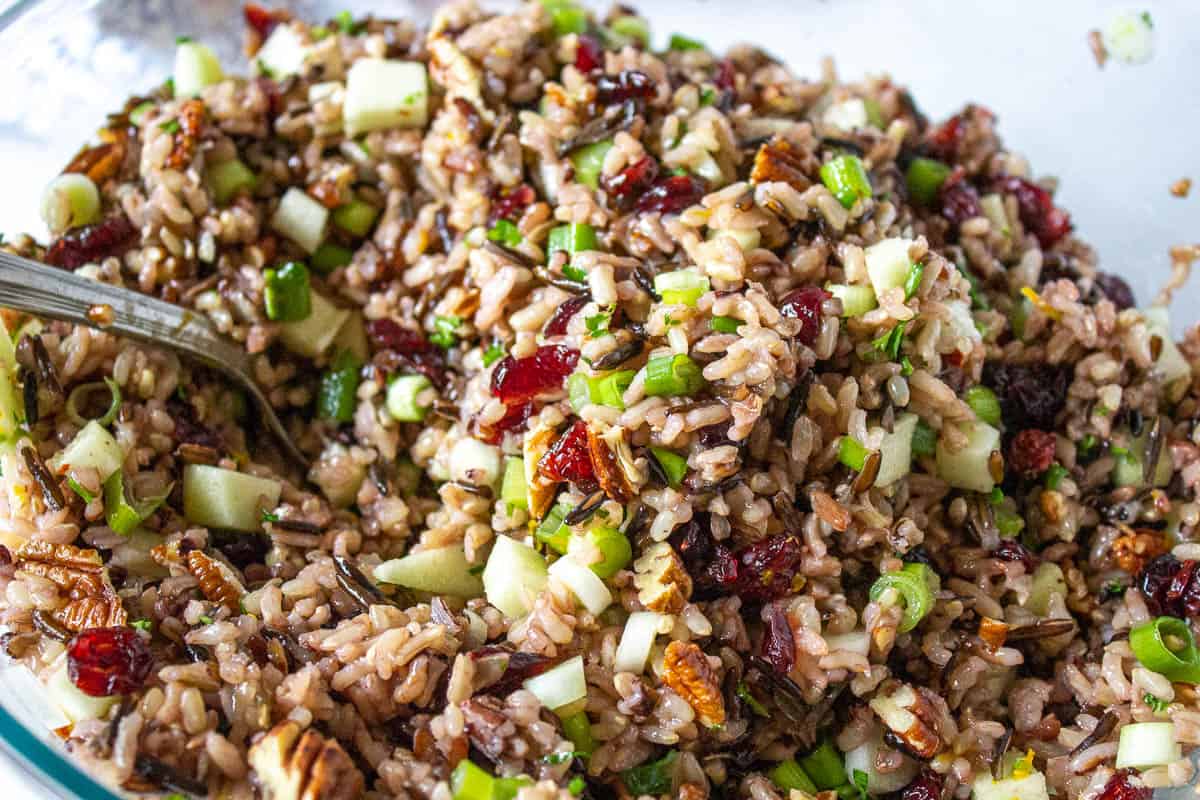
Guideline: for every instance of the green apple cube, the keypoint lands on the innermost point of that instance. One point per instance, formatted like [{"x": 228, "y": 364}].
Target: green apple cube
[
  {"x": 301, "y": 218},
  {"x": 515, "y": 574},
  {"x": 896, "y": 451},
  {"x": 444, "y": 570},
  {"x": 313, "y": 335},
  {"x": 888, "y": 263},
  {"x": 196, "y": 67},
  {"x": 969, "y": 467},
  {"x": 283, "y": 54},
  {"x": 383, "y": 93},
  {"x": 223, "y": 498}
]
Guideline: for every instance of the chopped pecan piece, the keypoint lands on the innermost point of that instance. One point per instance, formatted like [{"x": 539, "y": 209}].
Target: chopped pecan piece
[
  {"x": 294, "y": 766},
  {"x": 612, "y": 460},
  {"x": 90, "y": 601},
  {"x": 541, "y": 489},
  {"x": 662, "y": 581},
  {"x": 190, "y": 120},
  {"x": 687, "y": 671},
  {"x": 102, "y": 161},
  {"x": 1135, "y": 549},
  {"x": 993, "y": 632},
  {"x": 910, "y": 719},
  {"x": 218, "y": 582},
  {"x": 778, "y": 161}
]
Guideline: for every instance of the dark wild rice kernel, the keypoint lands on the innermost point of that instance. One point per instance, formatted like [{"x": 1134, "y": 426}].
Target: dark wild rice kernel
[
  {"x": 1031, "y": 452},
  {"x": 1116, "y": 290},
  {"x": 102, "y": 662},
  {"x": 516, "y": 380},
  {"x": 778, "y": 643},
  {"x": 804, "y": 304},
  {"x": 569, "y": 459}
]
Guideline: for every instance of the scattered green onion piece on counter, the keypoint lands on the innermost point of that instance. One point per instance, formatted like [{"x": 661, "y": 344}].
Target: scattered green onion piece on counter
[
  {"x": 355, "y": 217},
  {"x": 983, "y": 402},
  {"x": 228, "y": 179},
  {"x": 673, "y": 464},
  {"x": 574, "y": 237},
  {"x": 852, "y": 453},
  {"x": 505, "y": 232},
  {"x": 552, "y": 532},
  {"x": 494, "y": 353},
  {"x": 673, "y": 376},
  {"x": 629, "y": 28},
  {"x": 337, "y": 392},
  {"x": 608, "y": 390},
  {"x": 578, "y": 729},
  {"x": 913, "y": 282},
  {"x": 925, "y": 177},
  {"x": 613, "y": 546},
  {"x": 566, "y": 16},
  {"x": 788, "y": 775},
  {"x": 652, "y": 778},
  {"x": 683, "y": 286},
  {"x": 1165, "y": 645},
  {"x": 825, "y": 766},
  {"x": 579, "y": 391},
  {"x": 406, "y": 400},
  {"x": 513, "y": 489},
  {"x": 682, "y": 43},
  {"x": 725, "y": 324},
  {"x": 1054, "y": 476},
  {"x": 82, "y": 392},
  {"x": 287, "y": 294},
  {"x": 845, "y": 177},
  {"x": 916, "y": 584},
  {"x": 124, "y": 513},
  {"x": 589, "y": 162},
  {"x": 445, "y": 331},
  {"x": 330, "y": 256}
]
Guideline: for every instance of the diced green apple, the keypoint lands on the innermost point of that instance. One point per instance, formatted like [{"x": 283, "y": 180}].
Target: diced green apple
[
  {"x": 969, "y": 467},
  {"x": 222, "y": 498},
  {"x": 282, "y": 54},
  {"x": 301, "y": 218},
  {"x": 1170, "y": 364},
  {"x": 196, "y": 67},
  {"x": 1030, "y": 787},
  {"x": 73, "y": 703},
  {"x": 444, "y": 570},
  {"x": 383, "y": 93},
  {"x": 312, "y": 335},
  {"x": 896, "y": 450},
  {"x": 515, "y": 574},
  {"x": 92, "y": 448},
  {"x": 888, "y": 263},
  {"x": 228, "y": 178}
]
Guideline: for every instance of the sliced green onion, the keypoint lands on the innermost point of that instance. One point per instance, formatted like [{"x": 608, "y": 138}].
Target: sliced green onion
[
  {"x": 683, "y": 286},
  {"x": 725, "y": 324},
  {"x": 579, "y": 390},
  {"x": 577, "y": 274},
  {"x": 925, "y": 177},
  {"x": 682, "y": 43},
  {"x": 673, "y": 376},
  {"x": 567, "y": 17},
  {"x": 139, "y": 112},
  {"x": 287, "y": 294},
  {"x": 513, "y": 489},
  {"x": 589, "y": 162},
  {"x": 80, "y": 394},
  {"x": 788, "y": 775},
  {"x": 983, "y": 402},
  {"x": 856, "y": 300},
  {"x": 916, "y": 584},
  {"x": 552, "y": 532},
  {"x": 228, "y": 179},
  {"x": 494, "y": 353},
  {"x": 608, "y": 390},
  {"x": 408, "y": 398},
  {"x": 337, "y": 392},
  {"x": 852, "y": 453},
  {"x": 122, "y": 512},
  {"x": 653, "y": 778},
  {"x": 629, "y": 28},
  {"x": 575, "y": 237},
  {"x": 824, "y": 765},
  {"x": 613, "y": 546},
  {"x": 578, "y": 729},
  {"x": 1166, "y": 646},
  {"x": 913, "y": 282},
  {"x": 505, "y": 232},
  {"x": 330, "y": 256},
  {"x": 673, "y": 464},
  {"x": 355, "y": 217},
  {"x": 445, "y": 331},
  {"x": 1147, "y": 744},
  {"x": 469, "y": 782},
  {"x": 597, "y": 324},
  {"x": 845, "y": 177},
  {"x": 1054, "y": 476}
]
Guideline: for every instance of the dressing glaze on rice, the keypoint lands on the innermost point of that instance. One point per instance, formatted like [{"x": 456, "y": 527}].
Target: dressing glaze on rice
[{"x": 281, "y": 668}]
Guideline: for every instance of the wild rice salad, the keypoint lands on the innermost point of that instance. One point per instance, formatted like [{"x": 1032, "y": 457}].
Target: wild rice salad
[{"x": 678, "y": 428}]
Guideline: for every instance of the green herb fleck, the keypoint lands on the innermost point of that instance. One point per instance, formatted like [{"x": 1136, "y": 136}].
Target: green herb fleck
[
  {"x": 494, "y": 353},
  {"x": 996, "y": 496},
  {"x": 264, "y": 69},
  {"x": 906, "y": 367},
  {"x": 743, "y": 691},
  {"x": 142, "y": 624},
  {"x": 206, "y": 619},
  {"x": 1157, "y": 704},
  {"x": 169, "y": 86},
  {"x": 913, "y": 282},
  {"x": 411, "y": 98},
  {"x": 653, "y": 777},
  {"x": 1054, "y": 476},
  {"x": 1113, "y": 588},
  {"x": 182, "y": 39},
  {"x": 319, "y": 32},
  {"x": 170, "y": 126},
  {"x": 1088, "y": 444},
  {"x": 861, "y": 780},
  {"x": 269, "y": 516},
  {"x": 707, "y": 97},
  {"x": 890, "y": 342},
  {"x": 505, "y": 233},
  {"x": 597, "y": 324},
  {"x": 680, "y": 42},
  {"x": 577, "y": 785},
  {"x": 345, "y": 21},
  {"x": 561, "y": 758},
  {"x": 445, "y": 331},
  {"x": 477, "y": 569},
  {"x": 1146, "y": 18}
]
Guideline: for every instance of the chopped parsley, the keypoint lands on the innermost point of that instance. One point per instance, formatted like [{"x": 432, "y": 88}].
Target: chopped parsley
[
  {"x": 890, "y": 342},
  {"x": 142, "y": 624},
  {"x": 597, "y": 324},
  {"x": 577, "y": 785},
  {"x": 170, "y": 126},
  {"x": 707, "y": 97},
  {"x": 743, "y": 691},
  {"x": 345, "y": 21},
  {"x": 1054, "y": 475},
  {"x": 913, "y": 281},
  {"x": 1156, "y": 703},
  {"x": 206, "y": 619},
  {"x": 561, "y": 758},
  {"x": 494, "y": 353},
  {"x": 269, "y": 516},
  {"x": 445, "y": 331},
  {"x": 505, "y": 232}
]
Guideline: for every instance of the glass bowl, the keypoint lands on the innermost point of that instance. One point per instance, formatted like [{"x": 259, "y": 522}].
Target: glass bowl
[{"x": 1117, "y": 137}]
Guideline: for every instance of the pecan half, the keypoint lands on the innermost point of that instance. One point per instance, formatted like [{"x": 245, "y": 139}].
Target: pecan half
[
  {"x": 687, "y": 672},
  {"x": 294, "y": 766},
  {"x": 662, "y": 581},
  {"x": 909, "y": 717},
  {"x": 90, "y": 601},
  {"x": 1135, "y": 549},
  {"x": 778, "y": 161},
  {"x": 612, "y": 459},
  {"x": 541, "y": 489},
  {"x": 218, "y": 582}
]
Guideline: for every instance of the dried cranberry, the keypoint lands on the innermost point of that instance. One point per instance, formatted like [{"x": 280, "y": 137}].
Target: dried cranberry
[
  {"x": 721, "y": 572},
  {"x": 629, "y": 84},
  {"x": 767, "y": 567},
  {"x": 398, "y": 347},
  {"x": 270, "y": 89},
  {"x": 694, "y": 540},
  {"x": 557, "y": 325},
  {"x": 1171, "y": 586},
  {"x": 241, "y": 549},
  {"x": 261, "y": 20},
  {"x": 945, "y": 138},
  {"x": 1030, "y": 395},
  {"x": 387, "y": 334},
  {"x": 726, "y": 77},
  {"x": 715, "y": 435},
  {"x": 1037, "y": 210},
  {"x": 519, "y": 668},
  {"x": 926, "y": 786},
  {"x": 1116, "y": 290},
  {"x": 514, "y": 417},
  {"x": 960, "y": 202},
  {"x": 778, "y": 643},
  {"x": 189, "y": 429},
  {"x": 92, "y": 243},
  {"x": 5, "y": 556},
  {"x": 1012, "y": 550},
  {"x": 1031, "y": 452},
  {"x": 106, "y": 661},
  {"x": 633, "y": 179},
  {"x": 568, "y": 459},
  {"x": 516, "y": 380},
  {"x": 805, "y": 305},
  {"x": 588, "y": 54},
  {"x": 511, "y": 204},
  {"x": 1120, "y": 787},
  {"x": 672, "y": 194}
]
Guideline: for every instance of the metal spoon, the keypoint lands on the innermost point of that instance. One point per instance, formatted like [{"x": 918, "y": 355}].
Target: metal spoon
[{"x": 35, "y": 288}]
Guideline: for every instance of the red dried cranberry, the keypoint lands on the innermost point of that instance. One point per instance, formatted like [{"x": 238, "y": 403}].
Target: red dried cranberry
[
  {"x": 513, "y": 419},
  {"x": 5, "y": 556},
  {"x": 387, "y": 334},
  {"x": 926, "y": 786},
  {"x": 1012, "y": 550},
  {"x": 721, "y": 572},
  {"x": 767, "y": 567},
  {"x": 511, "y": 204},
  {"x": 945, "y": 138},
  {"x": 102, "y": 662},
  {"x": 1171, "y": 586},
  {"x": 588, "y": 54},
  {"x": 92, "y": 243},
  {"x": 672, "y": 194},
  {"x": 1030, "y": 395},
  {"x": 261, "y": 20},
  {"x": 629, "y": 84},
  {"x": 568, "y": 459},
  {"x": 1031, "y": 452},
  {"x": 725, "y": 78},
  {"x": 397, "y": 347},
  {"x": 778, "y": 643},
  {"x": 270, "y": 89},
  {"x": 805, "y": 305},
  {"x": 516, "y": 380},
  {"x": 1037, "y": 210},
  {"x": 633, "y": 179},
  {"x": 960, "y": 202},
  {"x": 1116, "y": 290},
  {"x": 1120, "y": 787},
  {"x": 557, "y": 325}
]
